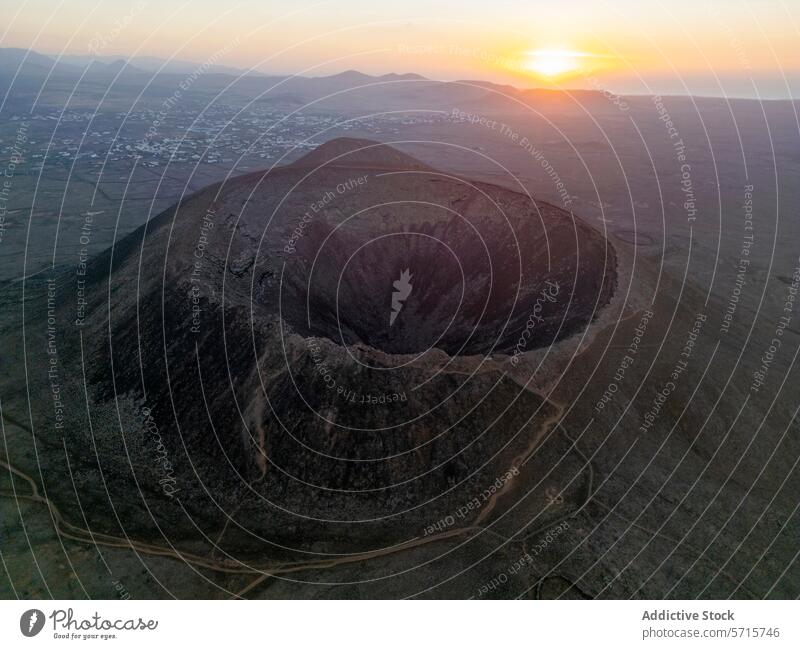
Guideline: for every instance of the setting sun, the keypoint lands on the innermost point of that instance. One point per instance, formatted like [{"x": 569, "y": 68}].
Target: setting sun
[{"x": 554, "y": 63}]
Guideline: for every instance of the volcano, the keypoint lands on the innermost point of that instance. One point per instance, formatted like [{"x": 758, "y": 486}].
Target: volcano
[{"x": 306, "y": 346}]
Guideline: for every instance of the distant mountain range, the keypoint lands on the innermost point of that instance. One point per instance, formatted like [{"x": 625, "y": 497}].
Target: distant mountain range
[
  {"x": 28, "y": 71},
  {"x": 13, "y": 59}
]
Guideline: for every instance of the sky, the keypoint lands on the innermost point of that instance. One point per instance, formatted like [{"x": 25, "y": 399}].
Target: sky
[{"x": 737, "y": 47}]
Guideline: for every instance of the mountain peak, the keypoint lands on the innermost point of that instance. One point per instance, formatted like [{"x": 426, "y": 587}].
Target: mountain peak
[
  {"x": 408, "y": 76},
  {"x": 360, "y": 153},
  {"x": 351, "y": 75}
]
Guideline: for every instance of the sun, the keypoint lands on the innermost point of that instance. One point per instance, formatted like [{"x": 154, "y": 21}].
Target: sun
[{"x": 554, "y": 63}]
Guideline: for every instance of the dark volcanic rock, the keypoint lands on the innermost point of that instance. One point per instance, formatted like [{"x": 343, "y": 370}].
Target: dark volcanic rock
[{"x": 298, "y": 376}]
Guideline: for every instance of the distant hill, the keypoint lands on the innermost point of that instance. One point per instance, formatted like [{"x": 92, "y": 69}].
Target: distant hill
[
  {"x": 155, "y": 64},
  {"x": 15, "y": 60}
]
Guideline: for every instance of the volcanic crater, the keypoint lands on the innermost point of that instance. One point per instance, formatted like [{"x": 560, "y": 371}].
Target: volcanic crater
[
  {"x": 266, "y": 324},
  {"x": 485, "y": 265}
]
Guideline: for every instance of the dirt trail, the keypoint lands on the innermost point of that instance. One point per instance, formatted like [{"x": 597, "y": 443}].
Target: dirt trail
[
  {"x": 82, "y": 535},
  {"x": 546, "y": 426}
]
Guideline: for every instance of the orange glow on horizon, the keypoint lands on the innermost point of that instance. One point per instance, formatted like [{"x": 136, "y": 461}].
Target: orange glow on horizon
[{"x": 553, "y": 64}]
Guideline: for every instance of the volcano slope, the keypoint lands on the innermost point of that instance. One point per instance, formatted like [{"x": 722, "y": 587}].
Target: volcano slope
[{"x": 309, "y": 361}]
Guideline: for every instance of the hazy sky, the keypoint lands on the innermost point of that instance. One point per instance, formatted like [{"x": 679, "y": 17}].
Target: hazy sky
[{"x": 742, "y": 47}]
